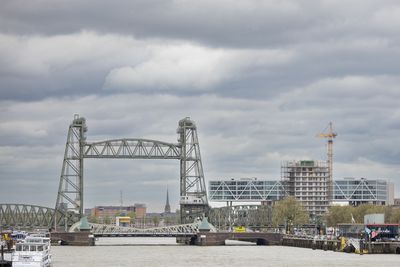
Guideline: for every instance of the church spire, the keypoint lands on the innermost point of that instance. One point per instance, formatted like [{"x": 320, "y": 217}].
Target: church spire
[{"x": 167, "y": 208}]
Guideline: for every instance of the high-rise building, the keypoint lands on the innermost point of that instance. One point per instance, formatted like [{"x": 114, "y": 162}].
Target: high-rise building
[
  {"x": 307, "y": 181},
  {"x": 167, "y": 208}
]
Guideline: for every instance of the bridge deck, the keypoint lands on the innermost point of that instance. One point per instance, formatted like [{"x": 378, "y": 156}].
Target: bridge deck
[{"x": 144, "y": 234}]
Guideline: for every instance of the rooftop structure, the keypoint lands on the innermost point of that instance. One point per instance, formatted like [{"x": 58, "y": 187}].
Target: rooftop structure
[
  {"x": 245, "y": 190},
  {"x": 307, "y": 181}
]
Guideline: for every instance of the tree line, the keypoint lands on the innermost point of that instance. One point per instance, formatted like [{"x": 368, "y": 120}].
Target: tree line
[{"x": 291, "y": 212}]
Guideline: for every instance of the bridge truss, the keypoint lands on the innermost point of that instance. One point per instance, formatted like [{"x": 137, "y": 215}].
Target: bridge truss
[
  {"x": 250, "y": 216},
  {"x": 173, "y": 230},
  {"x": 21, "y": 216},
  {"x": 193, "y": 194}
]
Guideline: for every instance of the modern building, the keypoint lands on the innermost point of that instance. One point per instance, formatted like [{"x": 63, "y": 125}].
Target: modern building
[
  {"x": 245, "y": 190},
  {"x": 352, "y": 191},
  {"x": 307, "y": 181}
]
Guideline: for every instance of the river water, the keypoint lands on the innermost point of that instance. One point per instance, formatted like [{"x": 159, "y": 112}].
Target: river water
[{"x": 134, "y": 251}]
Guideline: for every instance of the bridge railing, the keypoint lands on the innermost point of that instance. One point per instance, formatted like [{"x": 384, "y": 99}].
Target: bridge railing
[{"x": 171, "y": 229}]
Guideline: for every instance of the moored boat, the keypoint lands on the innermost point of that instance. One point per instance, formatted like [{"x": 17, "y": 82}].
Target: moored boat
[{"x": 33, "y": 252}]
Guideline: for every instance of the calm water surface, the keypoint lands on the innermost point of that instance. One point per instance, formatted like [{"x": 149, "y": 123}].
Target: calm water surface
[{"x": 165, "y": 252}]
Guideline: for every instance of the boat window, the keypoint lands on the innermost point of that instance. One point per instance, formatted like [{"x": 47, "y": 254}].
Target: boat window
[
  {"x": 32, "y": 248},
  {"x": 25, "y": 248},
  {"x": 18, "y": 247},
  {"x": 40, "y": 248}
]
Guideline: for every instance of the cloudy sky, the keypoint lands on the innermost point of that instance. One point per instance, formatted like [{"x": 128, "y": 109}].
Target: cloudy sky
[{"x": 259, "y": 78}]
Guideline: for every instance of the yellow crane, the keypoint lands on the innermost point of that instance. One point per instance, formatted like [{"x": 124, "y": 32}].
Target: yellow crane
[{"x": 329, "y": 134}]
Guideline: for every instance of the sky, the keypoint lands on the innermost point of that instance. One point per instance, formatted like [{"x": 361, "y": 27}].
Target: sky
[{"x": 259, "y": 78}]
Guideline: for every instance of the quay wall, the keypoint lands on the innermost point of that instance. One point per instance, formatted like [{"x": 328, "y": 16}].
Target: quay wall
[{"x": 72, "y": 238}]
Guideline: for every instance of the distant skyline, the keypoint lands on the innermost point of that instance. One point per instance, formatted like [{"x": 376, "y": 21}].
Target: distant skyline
[{"x": 259, "y": 78}]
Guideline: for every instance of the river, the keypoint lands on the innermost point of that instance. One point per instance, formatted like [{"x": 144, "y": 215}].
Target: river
[{"x": 133, "y": 251}]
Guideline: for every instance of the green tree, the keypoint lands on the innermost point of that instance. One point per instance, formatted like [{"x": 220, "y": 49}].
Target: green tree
[
  {"x": 394, "y": 215},
  {"x": 107, "y": 220},
  {"x": 342, "y": 214},
  {"x": 168, "y": 220},
  {"x": 156, "y": 220},
  {"x": 132, "y": 215},
  {"x": 92, "y": 219},
  {"x": 289, "y": 212},
  {"x": 339, "y": 214}
]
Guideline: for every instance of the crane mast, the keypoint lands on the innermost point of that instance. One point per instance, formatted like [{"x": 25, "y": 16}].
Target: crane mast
[{"x": 329, "y": 134}]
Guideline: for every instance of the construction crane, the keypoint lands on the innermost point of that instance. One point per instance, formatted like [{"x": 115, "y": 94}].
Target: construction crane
[{"x": 329, "y": 133}]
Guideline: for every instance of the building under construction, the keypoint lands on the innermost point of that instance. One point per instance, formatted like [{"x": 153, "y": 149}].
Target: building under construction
[{"x": 308, "y": 182}]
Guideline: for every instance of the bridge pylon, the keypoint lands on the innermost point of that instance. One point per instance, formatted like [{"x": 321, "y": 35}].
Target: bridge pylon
[
  {"x": 70, "y": 191},
  {"x": 194, "y": 201}
]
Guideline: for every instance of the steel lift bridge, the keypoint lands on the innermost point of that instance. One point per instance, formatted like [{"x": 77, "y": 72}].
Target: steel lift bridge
[{"x": 69, "y": 204}]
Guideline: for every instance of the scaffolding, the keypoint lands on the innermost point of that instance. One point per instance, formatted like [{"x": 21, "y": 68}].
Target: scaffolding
[{"x": 308, "y": 182}]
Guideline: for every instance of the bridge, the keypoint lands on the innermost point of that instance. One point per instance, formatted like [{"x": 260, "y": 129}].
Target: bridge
[
  {"x": 69, "y": 204},
  {"x": 101, "y": 230},
  {"x": 24, "y": 216}
]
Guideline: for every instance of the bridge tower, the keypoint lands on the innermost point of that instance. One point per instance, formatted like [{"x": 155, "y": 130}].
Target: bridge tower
[
  {"x": 70, "y": 191},
  {"x": 193, "y": 202},
  {"x": 193, "y": 193}
]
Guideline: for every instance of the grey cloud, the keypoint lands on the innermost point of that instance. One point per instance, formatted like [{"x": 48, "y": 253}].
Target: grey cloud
[
  {"x": 260, "y": 79},
  {"x": 238, "y": 137},
  {"x": 222, "y": 23}
]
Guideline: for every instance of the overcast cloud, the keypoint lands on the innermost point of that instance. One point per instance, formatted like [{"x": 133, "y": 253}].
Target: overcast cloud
[{"x": 260, "y": 79}]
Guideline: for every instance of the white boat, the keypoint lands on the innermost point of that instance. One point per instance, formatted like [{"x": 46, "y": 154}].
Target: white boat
[{"x": 33, "y": 252}]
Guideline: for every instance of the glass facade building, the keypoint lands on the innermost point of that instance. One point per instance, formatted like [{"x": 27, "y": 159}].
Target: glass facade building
[
  {"x": 362, "y": 191},
  {"x": 307, "y": 182},
  {"x": 245, "y": 190}
]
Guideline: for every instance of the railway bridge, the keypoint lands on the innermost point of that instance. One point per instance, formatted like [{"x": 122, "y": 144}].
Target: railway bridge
[
  {"x": 69, "y": 203},
  {"x": 193, "y": 194}
]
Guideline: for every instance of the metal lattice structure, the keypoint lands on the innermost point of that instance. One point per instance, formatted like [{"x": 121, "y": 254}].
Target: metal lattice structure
[
  {"x": 112, "y": 230},
  {"x": 194, "y": 201},
  {"x": 23, "y": 216},
  {"x": 132, "y": 149},
  {"x": 70, "y": 191},
  {"x": 193, "y": 194},
  {"x": 253, "y": 216}
]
